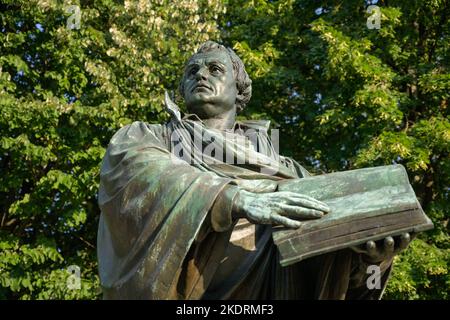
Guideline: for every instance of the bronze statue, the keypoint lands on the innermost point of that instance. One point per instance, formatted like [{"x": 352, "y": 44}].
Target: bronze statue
[{"x": 179, "y": 224}]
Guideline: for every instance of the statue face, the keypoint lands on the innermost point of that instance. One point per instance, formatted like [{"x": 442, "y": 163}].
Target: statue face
[{"x": 209, "y": 84}]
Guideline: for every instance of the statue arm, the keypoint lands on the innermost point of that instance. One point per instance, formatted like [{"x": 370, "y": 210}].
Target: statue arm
[{"x": 222, "y": 214}]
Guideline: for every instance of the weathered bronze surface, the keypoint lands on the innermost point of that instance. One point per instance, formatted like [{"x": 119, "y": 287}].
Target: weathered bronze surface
[
  {"x": 188, "y": 206},
  {"x": 367, "y": 204}
]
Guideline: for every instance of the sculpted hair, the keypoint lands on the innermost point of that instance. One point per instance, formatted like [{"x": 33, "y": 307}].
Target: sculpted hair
[{"x": 243, "y": 81}]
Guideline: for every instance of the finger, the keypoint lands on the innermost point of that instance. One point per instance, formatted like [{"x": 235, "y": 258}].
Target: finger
[
  {"x": 298, "y": 196},
  {"x": 299, "y": 212},
  {"x": 313, "y": 203},
  {"x": 405, "y": 239},
  {"x": 389, "y": 245},
  {"x": 277, "y": 219},
  {"x": 371, "y": 247},
  {"x": 304, "y": 196},
  {"x": 309, "y": 203}
]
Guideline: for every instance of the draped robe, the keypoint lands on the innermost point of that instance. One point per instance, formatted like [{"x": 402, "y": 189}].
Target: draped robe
[{"x": 166, "y": 229}]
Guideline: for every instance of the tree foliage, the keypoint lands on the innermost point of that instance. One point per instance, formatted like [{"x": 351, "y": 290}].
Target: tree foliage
[
  {"x": 63, "y": 93},
  {"x": 343, "y": 95},
  {"x": 346, "y": 96}
]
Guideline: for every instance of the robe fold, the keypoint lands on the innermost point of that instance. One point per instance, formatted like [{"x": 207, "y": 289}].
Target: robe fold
[{"x": 166, "y": 230}]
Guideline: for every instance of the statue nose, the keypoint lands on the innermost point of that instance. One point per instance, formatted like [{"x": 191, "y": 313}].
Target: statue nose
[{"x": 201, "y": 74}]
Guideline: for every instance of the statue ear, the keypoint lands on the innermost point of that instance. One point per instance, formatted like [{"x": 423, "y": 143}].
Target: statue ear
[{"x": 237, "y": 104}]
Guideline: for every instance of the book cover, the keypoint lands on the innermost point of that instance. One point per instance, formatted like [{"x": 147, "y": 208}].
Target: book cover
[{"x": 366, "y": 204}]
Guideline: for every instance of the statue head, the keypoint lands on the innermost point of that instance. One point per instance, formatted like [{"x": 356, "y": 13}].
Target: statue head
[{"x": 215, "y": 81}]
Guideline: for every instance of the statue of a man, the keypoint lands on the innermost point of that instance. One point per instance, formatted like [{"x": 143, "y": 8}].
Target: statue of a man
[{"x": 193, "y": 227}]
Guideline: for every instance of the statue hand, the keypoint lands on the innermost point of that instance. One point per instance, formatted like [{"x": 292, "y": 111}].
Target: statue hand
[
  {"x": 377, "y": 251},
  {"x": 285, "y": 208}
]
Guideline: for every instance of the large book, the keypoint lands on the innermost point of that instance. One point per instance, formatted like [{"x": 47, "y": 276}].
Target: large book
[{"x": 366, "y": 204}]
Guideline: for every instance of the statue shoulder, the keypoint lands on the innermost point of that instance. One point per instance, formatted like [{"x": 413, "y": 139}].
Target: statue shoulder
[{"x": 137, "y": 130}]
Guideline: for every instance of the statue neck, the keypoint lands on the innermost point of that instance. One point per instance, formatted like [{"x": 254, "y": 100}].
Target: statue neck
[{"x": 224, "y": 121}]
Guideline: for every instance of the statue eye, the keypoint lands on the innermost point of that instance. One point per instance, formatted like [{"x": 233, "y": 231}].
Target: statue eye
[
  {"x": 193, "y": 71},
  {"x": 215, "y": 69}
]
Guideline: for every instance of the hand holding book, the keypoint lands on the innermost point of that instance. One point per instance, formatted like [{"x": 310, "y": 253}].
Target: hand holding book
[{"x": 377, "y": 251}]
